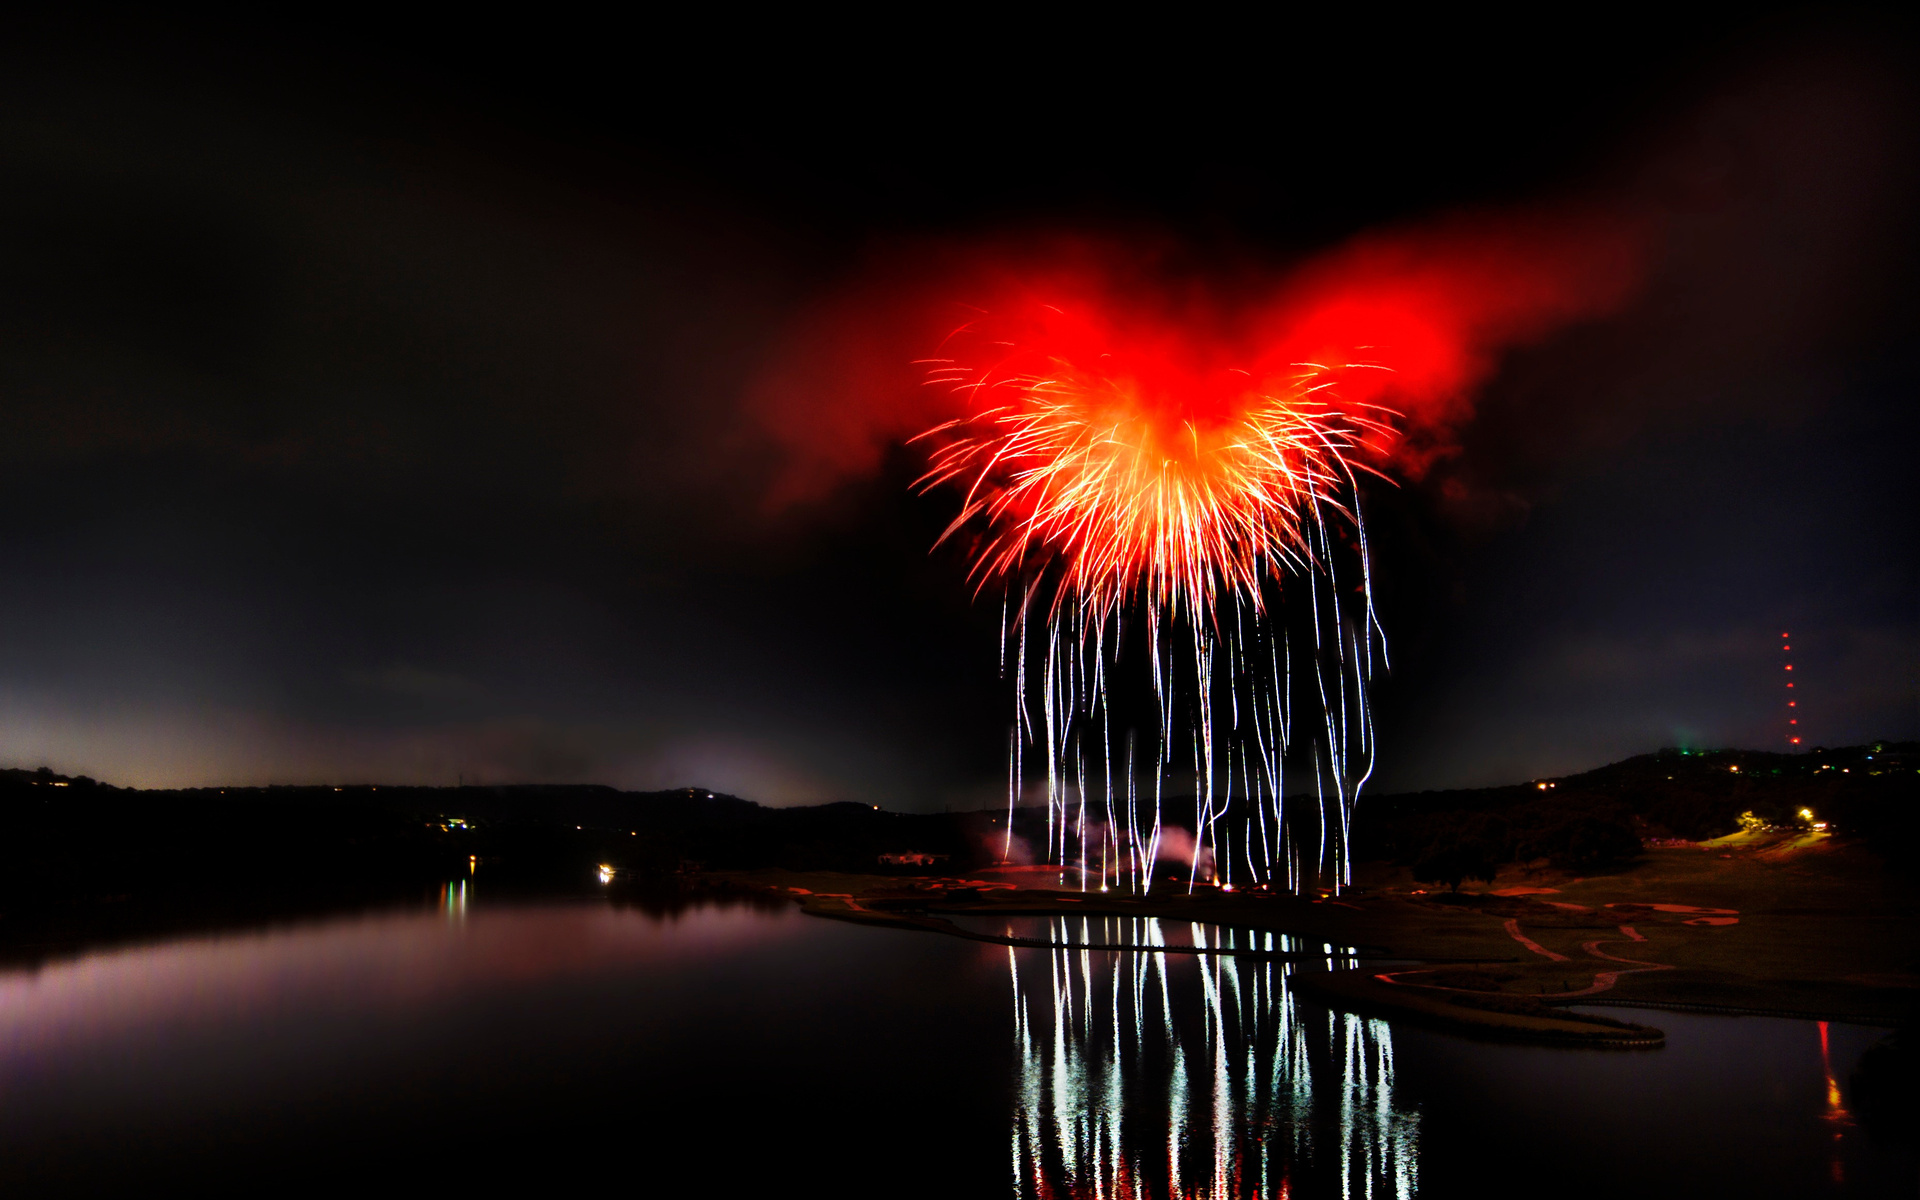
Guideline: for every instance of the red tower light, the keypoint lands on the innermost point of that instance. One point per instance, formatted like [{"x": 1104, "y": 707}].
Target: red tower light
[{"x": 1793, "y": 720}]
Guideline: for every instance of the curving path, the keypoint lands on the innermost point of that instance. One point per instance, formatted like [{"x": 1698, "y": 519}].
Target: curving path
[{"x": 1603, "y": 981}]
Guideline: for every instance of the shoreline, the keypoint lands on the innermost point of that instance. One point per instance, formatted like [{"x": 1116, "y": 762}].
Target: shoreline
[
  {"x": 1820, "y": 935},
  {"x": 1823, "y": 934}
]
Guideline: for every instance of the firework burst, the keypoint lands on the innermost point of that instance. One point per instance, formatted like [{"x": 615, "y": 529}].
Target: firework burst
[
  {"x": 1110, "y": 480},
  {"x": 1167, "y": 490},
  {"x": 1116, "y": 478}
]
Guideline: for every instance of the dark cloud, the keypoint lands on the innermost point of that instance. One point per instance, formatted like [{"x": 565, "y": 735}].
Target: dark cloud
[
  {"x": 1641, "y": 502},
  {"x": 378, "y": 411}
]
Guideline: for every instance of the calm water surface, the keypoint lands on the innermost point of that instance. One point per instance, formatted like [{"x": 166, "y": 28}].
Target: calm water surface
[{"x": 722, "y": 1051}]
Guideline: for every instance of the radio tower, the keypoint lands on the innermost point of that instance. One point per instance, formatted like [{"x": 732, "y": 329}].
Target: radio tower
[{"x": 1793, "y": 711}]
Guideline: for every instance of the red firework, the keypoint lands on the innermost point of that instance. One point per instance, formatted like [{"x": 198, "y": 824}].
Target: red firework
[{"x": 1140, "y": 473}]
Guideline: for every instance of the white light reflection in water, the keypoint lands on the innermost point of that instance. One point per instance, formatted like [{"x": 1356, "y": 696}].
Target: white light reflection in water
[
  {"x": 453, "y": 901},
  {"x": 1148, "y": 1075}
]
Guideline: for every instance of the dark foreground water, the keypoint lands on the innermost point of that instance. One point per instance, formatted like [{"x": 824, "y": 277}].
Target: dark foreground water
[{"x": 735, "y": 1051}]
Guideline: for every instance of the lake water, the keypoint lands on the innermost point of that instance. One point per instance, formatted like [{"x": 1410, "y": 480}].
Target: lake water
[{"x": 735, "y": 1050}]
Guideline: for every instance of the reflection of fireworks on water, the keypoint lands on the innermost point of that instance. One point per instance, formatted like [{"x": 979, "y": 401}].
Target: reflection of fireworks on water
[
  {"x": 1147, "y": 1074},
  {"x": 1143, "y": 515}
]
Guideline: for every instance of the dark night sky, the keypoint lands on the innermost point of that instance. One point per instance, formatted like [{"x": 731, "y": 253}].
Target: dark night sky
[{"x": 370, "y": 399}]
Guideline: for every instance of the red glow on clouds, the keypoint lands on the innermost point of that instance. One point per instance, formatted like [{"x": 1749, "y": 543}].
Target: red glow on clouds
[
  {"x": 1412, "y": 320},
  {"x": 1436, "y": 307}
]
